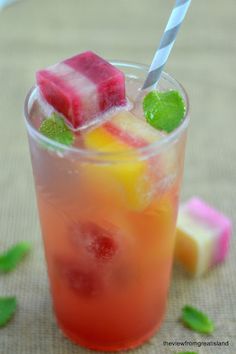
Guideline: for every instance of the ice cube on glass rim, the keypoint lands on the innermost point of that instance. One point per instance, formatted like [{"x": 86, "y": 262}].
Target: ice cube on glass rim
[{"x": 82, "y": 87}]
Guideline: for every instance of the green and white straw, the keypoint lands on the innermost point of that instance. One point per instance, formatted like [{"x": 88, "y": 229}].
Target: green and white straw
[{"x": 167, "y": 41}]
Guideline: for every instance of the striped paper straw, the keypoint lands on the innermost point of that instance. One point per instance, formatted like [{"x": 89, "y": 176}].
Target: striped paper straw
[{"x": 167, "y": 41}]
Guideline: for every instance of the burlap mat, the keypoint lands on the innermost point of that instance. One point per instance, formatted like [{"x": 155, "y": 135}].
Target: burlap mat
[{"x": 34, "y": 34}]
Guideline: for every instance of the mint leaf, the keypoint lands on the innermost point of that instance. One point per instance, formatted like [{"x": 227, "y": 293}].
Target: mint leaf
[
  {"x": 164, "y": 110},
  {"x": 7, "y": 309},
  {"x": 54, "y": 127},
  {"x": 196, "y": 320},
  {"x": 10, "y": 259}
]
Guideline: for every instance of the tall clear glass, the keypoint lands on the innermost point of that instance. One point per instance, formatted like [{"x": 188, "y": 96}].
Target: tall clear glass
[{"x": 108, "y": 224}]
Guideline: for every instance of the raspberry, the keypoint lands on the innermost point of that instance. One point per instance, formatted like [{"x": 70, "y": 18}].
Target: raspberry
[
  {"x": 97, "y": 240},
  {"x": 84, "y": 282},
  {"x": 81, "y": 278}
]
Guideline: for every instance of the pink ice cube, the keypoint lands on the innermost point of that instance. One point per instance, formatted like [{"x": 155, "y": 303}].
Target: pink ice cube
[
  {"x": 203, "y": 236},
  {"x": 82, "y": 87}
]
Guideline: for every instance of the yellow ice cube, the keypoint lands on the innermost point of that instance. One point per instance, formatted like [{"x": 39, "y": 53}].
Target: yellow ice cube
[
  {"x": 194, "y": 244},
  {"x": 129, "y": 175}
]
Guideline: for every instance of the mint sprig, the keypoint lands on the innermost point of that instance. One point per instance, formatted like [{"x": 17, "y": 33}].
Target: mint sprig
[
  {"x": 7, "y": 309},
  {"x": 54, "y": 128},
  {"x": 196, "y": 320},
  {"x": 10, "y": 259},
  {"x": 164, "y": 110}
]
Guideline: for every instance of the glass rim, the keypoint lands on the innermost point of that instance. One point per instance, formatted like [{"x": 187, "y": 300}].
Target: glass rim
[{"x": 148, "y": 150}]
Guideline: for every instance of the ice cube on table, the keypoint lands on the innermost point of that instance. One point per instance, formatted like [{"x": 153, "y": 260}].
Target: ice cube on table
[
  {"x": 203, "y": 235},
  {"x": 82, "y": 87}
]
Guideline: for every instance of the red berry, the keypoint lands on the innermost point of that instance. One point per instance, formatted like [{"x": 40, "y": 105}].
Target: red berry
[
  {"x": 84, "y": 282},
  {"x": 97, "y": 240},
  {"x": 81, "y": 278}
]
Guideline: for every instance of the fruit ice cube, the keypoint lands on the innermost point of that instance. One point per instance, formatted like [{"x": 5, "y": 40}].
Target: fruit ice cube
[
  {"x": 203, "y": 235},
  {"x": 123, "y": 132},
  {"x": 81, "y": 278},
  {"x": 82, "y": 87},
  {"x": 130, "y": 174},
  {"x": 98, "y": 241}
]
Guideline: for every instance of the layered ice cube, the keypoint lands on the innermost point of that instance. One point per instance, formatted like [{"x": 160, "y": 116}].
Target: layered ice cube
[
  {"x": 123, "y": 131},
  {"x": 82, "y": 87},
  {"x": 130, "y": 174},
  {"x": 203, "y": 235}
]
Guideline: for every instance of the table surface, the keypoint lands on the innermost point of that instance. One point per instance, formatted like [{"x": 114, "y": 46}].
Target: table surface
[{"x": 34, "y": 34}]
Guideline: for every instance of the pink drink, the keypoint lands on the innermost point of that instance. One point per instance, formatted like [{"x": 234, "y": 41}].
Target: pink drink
[{"x": 108, "y": 222}]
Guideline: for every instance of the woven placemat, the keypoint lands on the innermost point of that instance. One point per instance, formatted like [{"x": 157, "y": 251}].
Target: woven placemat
[{"x": 34, "y": 34}]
